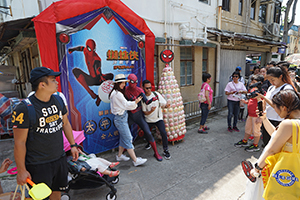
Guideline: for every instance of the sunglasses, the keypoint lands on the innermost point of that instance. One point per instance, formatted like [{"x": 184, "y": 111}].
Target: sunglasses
[
  {"x": 148, "y": 88},
  {"x": 131, "y": 81},
  {"x": 235, "y": 76}
]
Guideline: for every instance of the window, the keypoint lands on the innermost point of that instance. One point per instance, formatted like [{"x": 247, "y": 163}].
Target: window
[
  {"x": 204, "y": 59},
  {"x": 262, "y": 13},
  {"x": 226, "y": 5},
  {"x": 186, "y": 66},
  {"x": 240, "y": 7},
  {"x": 277, "y": 13},
  {"x": 252, "y": 10},
  {"x": 204, "y": 1}
]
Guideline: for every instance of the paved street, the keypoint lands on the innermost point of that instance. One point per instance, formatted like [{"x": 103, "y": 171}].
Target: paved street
[{"x": 203, "y": 166}]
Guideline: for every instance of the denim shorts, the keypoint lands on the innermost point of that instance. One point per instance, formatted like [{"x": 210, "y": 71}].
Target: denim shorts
[{"x": 121, "y": 123}]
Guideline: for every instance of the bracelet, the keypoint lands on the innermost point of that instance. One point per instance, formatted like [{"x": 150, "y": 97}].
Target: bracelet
[
  {"x": 257, "y": 167},
  {"x": 73, "y": 145}
]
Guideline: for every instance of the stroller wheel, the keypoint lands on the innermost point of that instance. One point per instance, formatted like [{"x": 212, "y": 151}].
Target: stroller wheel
[
  {"x": 111, "y": 196},
  {"x": 65, "y": 196},
  {"x": 116, "y": 180}
]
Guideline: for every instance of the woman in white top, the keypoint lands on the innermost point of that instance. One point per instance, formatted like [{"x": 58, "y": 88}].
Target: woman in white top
[
  {"x": 119, "y": 106},
  {"x": 287, "y": 105},
  {"x": 280, "y": 80}
]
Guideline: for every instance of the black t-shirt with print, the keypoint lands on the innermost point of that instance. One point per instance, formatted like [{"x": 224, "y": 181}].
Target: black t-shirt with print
[{"x": 45, "y": 143}]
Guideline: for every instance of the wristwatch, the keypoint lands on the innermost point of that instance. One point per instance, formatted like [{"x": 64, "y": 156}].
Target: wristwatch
[
  {"x": 73, "y": 145},
  {"x": 257, "y": 167}
]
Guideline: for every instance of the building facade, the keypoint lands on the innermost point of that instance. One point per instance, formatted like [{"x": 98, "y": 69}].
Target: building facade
[{"x": 212, "y": 36}]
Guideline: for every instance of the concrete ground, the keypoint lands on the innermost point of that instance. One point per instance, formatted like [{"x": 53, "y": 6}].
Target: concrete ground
[{"x": 203, "y": 166}]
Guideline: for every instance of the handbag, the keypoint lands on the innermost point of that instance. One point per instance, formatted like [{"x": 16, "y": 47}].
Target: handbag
[
  {"x": 283, "y": 183},
  {"x": 18, "y": 196},
  {"x": 201, "y": 95}
]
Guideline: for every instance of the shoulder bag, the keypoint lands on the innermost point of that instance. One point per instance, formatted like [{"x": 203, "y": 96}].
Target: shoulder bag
[{"x": 283, "y": 183}]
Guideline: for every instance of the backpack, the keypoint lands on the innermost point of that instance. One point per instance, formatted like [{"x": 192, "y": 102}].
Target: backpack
[
  {"x": 31, "y": 110},
  {"x": 201, "y": 95}
]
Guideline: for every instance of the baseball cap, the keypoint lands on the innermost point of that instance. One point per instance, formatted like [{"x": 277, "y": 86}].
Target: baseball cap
[
  {"x": 238, "y": 68},
  {"x": 39, "y": 72}
]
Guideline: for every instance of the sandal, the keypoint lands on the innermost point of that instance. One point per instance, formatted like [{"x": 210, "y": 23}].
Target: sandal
[
  {"x": 114, "y": 173},
  {"x": 113, "y": 164}
]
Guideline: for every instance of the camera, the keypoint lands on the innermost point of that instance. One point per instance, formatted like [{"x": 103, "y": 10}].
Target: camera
[{"x": 259, "y": 90}]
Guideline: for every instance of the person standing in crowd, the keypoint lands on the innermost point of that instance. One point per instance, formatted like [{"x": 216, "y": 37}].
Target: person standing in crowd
[
  {"x": 270, "y": 64},
  {"x": 254, "y": 72},
  {"x": 252, "y": 127},
  {"x": 292, "y": 74},
  {"x": 266, "y": 83},
  {"x": 280, "y": 80},
  {"x": 39, "y": 147},
  {"x": 287, "y": 105},
  {"x": 206, "y": 105},
  {"x": 4, "y": 166},
  {"x": 154, "y": 116},
  {"x": 241, "y": 79},
  {"x": 234, "y": 91},
  {"x": 119, "y": 106}
]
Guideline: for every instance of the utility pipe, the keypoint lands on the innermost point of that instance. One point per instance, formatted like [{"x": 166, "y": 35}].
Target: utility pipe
[{"x": 219, "y": 14}]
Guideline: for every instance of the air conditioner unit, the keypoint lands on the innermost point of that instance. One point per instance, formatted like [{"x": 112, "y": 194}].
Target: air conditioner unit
[{"x": 274, "y": 28}]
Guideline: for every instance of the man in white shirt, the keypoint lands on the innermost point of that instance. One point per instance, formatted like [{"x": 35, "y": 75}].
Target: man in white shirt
[{"x": 153, "y": 114}]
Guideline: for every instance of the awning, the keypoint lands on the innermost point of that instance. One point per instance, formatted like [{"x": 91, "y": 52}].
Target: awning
[
  {"x": 10, "y": 30},
  {"x": 244, "y": 37}
]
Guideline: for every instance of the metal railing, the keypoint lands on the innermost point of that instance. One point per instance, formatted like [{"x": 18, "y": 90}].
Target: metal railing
[{"x": 192, "y": 109}]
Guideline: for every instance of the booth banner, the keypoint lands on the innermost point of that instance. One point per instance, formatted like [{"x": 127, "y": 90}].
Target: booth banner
[{"x": 99, "y": 46}]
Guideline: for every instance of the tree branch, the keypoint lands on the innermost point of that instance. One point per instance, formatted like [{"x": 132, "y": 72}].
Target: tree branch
[{"x": 290, "y": 24}]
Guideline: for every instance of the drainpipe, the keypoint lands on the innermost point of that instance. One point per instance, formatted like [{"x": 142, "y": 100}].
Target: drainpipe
[
  {"x": 219, "y": 14},
  {"x": 218, "y": 65},
  {"x": 165, "y": 25}
]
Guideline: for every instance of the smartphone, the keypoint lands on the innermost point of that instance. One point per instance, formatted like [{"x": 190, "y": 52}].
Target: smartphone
[{"x": 260, "y": 107}]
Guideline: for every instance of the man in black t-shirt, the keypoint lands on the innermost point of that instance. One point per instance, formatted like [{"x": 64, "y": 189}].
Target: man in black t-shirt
[{"x": 39, "y": 152}]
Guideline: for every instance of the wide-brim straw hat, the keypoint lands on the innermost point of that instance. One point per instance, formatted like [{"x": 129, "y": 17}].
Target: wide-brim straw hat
[{"x": 120, "y": 78}]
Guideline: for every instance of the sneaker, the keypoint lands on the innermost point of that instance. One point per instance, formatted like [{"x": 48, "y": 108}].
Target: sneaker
[
  {"x": 148, "y": 146},
  {"x": 167, "y": 154},
  {"x": 241, "y": 144},
  {"x": 252, "y": 148},
  {"x": 236, "y": 129},
  {"x": 122, "y": 158},
  {"x": 202, "y": 131},
  {"x": 229, "y": 129},
  {"x": 206, "y": 128},
  {"x": 139, "y": 161}
]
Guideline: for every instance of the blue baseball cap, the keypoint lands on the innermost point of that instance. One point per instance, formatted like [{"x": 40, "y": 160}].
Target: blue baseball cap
[
  {"x": 238, "y": 68},
  {"x": 39, "y": 72}
]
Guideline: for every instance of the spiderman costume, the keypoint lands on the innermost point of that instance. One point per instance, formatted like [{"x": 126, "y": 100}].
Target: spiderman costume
[{"x": 136, "y": 116}]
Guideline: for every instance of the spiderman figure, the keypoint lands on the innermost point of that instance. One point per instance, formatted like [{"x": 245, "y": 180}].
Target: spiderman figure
[
  {"x": 93, "y": 62},
  {"x": 132, "y": 92}
]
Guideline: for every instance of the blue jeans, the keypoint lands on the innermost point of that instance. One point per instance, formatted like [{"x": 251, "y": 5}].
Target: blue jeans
[
  {"x": 162, "y": 130},
  {"x": 121, "y": 123},
  {"x": 204, "y": 113},
  {"x": 233, "y": 111}
]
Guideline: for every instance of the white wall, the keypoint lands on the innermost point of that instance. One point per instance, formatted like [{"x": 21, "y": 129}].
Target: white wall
[
  {"x": 20, "y": 9},
  {"x": 176, "y": 12}
]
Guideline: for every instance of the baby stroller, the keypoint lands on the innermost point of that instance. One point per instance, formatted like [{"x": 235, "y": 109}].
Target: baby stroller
[{"x": 89, "y": 178}]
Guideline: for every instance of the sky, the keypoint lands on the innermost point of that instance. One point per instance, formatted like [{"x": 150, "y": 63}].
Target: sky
[{"x": 297, "y": 18}]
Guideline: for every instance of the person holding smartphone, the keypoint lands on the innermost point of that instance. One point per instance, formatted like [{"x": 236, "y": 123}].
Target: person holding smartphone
[{"x": 234, "y": 91}]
